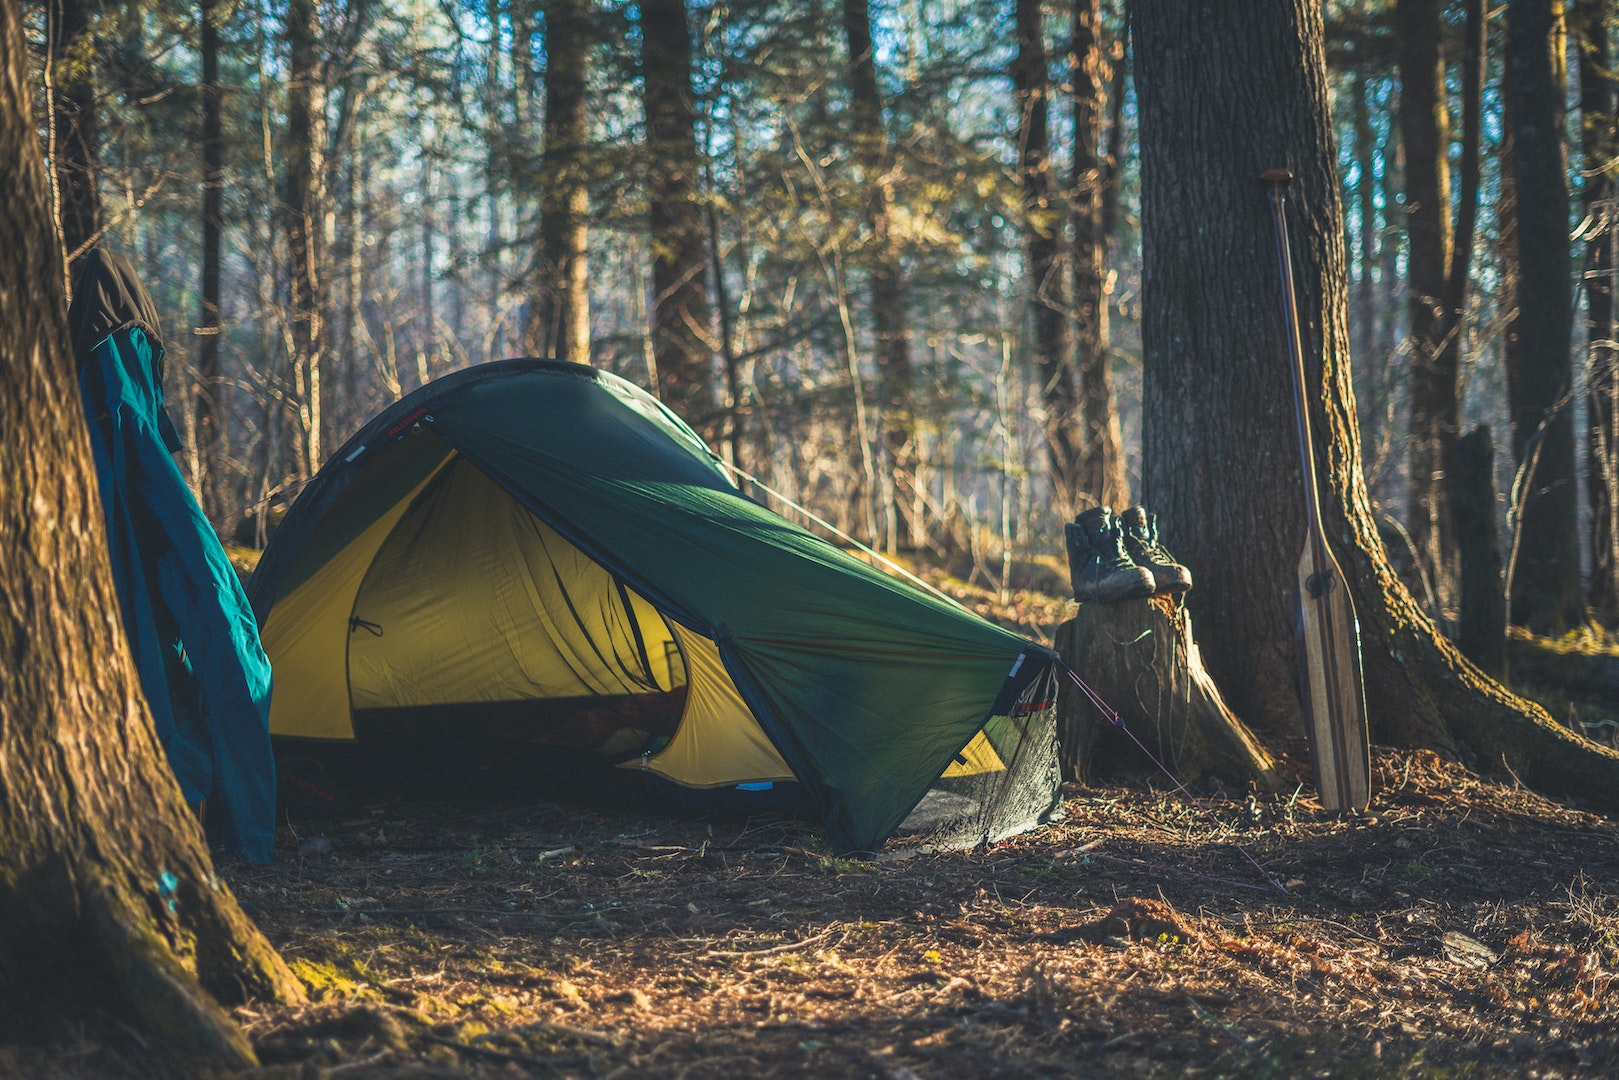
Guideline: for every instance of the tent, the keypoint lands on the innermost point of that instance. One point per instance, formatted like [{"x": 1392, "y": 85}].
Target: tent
[
  {"x": 541, "y": 552},
  {"x": 194, "y": 637}
]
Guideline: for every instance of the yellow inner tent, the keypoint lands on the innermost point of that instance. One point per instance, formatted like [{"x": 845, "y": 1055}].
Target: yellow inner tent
[{"x": 458, "y": 603}]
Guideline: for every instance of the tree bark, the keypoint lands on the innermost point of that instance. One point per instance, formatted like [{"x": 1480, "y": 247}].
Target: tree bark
[
  {"x": 1043, "y": 265},
  {"x": 304, "y": 212},
  {"x": 75, "y": 148},
  {"x": 559, "y": 321},
  {"x": 107, "y": 895},
  {"x": 1216, "y": 463},
  {"x": 1597, "y": 149},
  {"x": 681, "y": 335},
  {"x": 1435, "y": 355},
  {"x": 890, "y": 327},
  {"x": 1545, "y": 575},
  {"x": 1101, "y": 464}
]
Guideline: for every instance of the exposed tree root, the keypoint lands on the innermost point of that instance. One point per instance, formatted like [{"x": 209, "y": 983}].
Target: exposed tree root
[{"x": 160, "y": 993}]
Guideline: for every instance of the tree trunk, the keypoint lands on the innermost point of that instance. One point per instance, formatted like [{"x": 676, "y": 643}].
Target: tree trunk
[
  {"x": 1475, "y": 53},
  {"x": 1215, "y": 365},
  {"x": 1101, "y": 464},
  {"x": 1372, "y": 356},
  {"x": 1140, "y": 657},
  {"x": 559, "y": 321},
  {"x": 346, "y": 101},
  {"x": 75, "y": 148},
  {"x": 1545, "y": 575},
  {"x": 1481, "y": 631},
  {"x": 1435, "y": 355},
  {"x": 207, "y": 414},
  {"x": 681, "y": 336},
  {"x": 523, "y": 14},
  {"x": 895, "y": 382},
  {"x": 1043, "y": 266},
  {"x": 1597, "y": 148},
  {"x": 1364, "y": 323},
  {"x": 429, "y": 334},
  {"x": 304, "y": 211},
  {"x": 1477, "y": 538},
  {"x": 107, "y": 895}
]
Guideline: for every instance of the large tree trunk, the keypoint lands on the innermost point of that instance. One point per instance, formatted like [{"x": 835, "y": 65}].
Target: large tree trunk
[
  {"x": 1597, "y": 147},
  {"x": 1101, "y": 464},
  {"x": 107, "y": 896},
  {"x": 681, "y": 336},
  {"x": 895, "y": 389},
  {"x": 75, "y": 145},
  {"x": 1545, "y": 575},
  {"x": 207, "y": 417},
  {"x": 559, "y": 321},
  {"x": 1217, "y": 463},
  {"x": 1043, "y": 265},
  {"x": 1435, "y": 352}
]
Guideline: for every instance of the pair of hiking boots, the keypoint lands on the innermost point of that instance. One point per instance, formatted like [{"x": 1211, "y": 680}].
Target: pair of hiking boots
[{"x": 1114, "y": 557}]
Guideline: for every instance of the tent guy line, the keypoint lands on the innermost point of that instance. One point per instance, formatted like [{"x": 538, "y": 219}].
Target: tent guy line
[
  {"x": 1113, "y": 717},
  {"x": 845, "y": 537}
]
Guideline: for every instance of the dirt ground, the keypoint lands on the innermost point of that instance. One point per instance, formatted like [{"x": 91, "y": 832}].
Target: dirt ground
[{"x": 1466, "y": 928}]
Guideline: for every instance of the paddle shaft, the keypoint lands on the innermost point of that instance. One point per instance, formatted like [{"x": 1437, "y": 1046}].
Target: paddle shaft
[{"x": 1333, "y": 690}]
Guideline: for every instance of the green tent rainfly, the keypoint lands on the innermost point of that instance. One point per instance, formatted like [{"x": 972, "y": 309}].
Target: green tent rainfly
[{"x": 543, "y": 551}]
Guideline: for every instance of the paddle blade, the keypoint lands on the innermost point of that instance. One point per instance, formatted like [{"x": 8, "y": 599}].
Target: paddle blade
[{"x": 1331, "y": 686}]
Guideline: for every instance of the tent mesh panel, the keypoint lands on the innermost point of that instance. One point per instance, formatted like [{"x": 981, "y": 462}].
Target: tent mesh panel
[{"x": 987, "y": 807}]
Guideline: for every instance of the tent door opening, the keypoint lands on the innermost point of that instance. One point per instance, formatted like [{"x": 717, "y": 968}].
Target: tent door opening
[{"x": 477, "y": 618}]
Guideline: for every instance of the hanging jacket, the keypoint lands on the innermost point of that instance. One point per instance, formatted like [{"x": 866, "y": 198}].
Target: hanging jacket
[{"x": 188, "y": 621}]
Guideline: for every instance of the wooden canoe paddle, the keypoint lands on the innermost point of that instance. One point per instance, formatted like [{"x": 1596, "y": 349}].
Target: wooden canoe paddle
[{"x": 1330, "y": 681}]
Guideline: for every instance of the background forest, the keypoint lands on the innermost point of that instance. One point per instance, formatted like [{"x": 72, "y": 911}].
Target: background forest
[
  {"x": 885, "y": 257},
  {"x": 938, "y": 275}
]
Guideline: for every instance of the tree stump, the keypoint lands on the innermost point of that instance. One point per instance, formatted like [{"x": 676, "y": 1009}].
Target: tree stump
[{"x": 1141, "y": 658}]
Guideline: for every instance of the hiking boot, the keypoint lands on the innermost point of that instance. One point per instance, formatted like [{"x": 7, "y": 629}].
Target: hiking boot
[
  {"x": 1140, "y": 530},
  {"x": 1097, "y": 564}
]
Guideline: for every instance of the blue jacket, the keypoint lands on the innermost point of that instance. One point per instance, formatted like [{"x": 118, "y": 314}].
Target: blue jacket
[{"x": 188, "y": 621}]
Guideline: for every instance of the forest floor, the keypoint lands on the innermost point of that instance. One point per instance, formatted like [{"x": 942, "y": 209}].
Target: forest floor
[{"x": 1465, "y": 928}]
